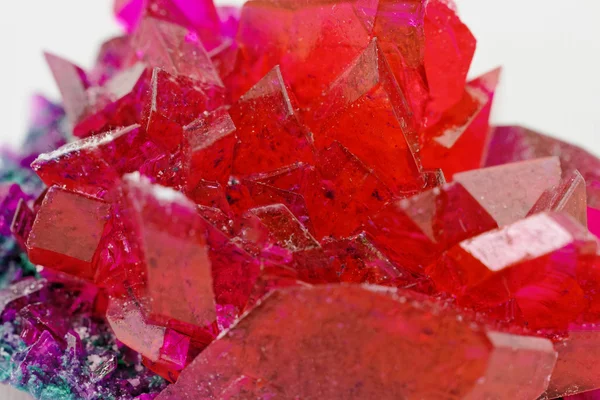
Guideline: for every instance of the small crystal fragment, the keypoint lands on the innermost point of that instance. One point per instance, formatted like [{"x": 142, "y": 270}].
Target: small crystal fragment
[
  {"x": 509, "y": 191},
  {"x": 211, "y": 139},
  {"x": 569, "y": 196},
  {"x": 270, "y": 134},
  {"x": 414, "y": 231},
  {"x": 66, "y": 232},
  {"x": 515, "y": 143}
]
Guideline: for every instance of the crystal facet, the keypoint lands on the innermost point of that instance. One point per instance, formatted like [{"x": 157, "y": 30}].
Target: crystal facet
[{"x": 295, "y": 199}]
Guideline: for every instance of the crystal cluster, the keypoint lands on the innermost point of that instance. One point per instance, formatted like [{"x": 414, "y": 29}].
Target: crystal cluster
[{"x": 295, "y": 200}]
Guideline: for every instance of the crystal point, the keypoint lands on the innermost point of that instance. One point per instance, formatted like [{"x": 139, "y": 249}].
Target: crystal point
[{"x": 509, "y": 191}]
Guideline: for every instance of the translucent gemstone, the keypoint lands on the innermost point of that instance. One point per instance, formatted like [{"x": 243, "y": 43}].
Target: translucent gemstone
[
  {"x": 458, "y": 140},
  {"x": 514, "y": 143},
  {"x": 282, "y": 227},
  {"x": 366, "y": 112},
  {"x": 341, "y": 193},
  {"x": 174, "y": 49},
  {"x": 270, "y": 134},
  {"x": 399, "y": 28},
  {"x": 197, "y": 15},
  {"x": 173, "y": 355},
  {"x": 449, "y": 49},
  {"x": 355, "y": 334},
  {"x": 11, "y": 196},
  {"x": 22, "y": 223},
  {"x": 210, "y": 139},
  {"x": 66, "y": 232},
  {"x": 542, "y": 265},
  {"x": 234, "y": 271},
  {"x": 305, "y": 38},
  {"x": 576, "y": 368},
  {"x": 129, "y": 12},
  {"x": 414, "y": 231},
  {"x": 569, "y": 196},
  {"x": 508, "y": 192},
  {"x": 263, "y": 195},
  {"x": 73, "y": 84},
  {"x": 210, "y": 194},
  {"x": 93, "y": 165},
  {"x": 127, "y": 321},
  {"x": 350, "y": 260},
  {"x": 112, "y": 57},
  {"x": 169, "y": 235}
]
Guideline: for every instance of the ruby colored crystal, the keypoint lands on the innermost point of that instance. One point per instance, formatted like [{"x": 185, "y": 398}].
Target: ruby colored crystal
[
  {"x": 112, "y": 57},
  {"x": 341, "y": 193},
  {"x": 354, "y": 334},
  {"x": 305, "y": 38},
  {"x": 269, "y": 132},
  {"x": 11, "y": 197},
  {"x": 22, "y": 223},
  {"x": 263, "y": 195},
  {"x": 508, "y": 192},
  {"x": 198, "y": 15},
  {"x": 127, "y": 321},
  {"x": 170, "y": 47},
  {"x": 351, "y": 260},
  {"x": 536, "y": 272},
  {"x": 367, "y": 113},
  {"x": 67, "y": 231},
  {"x": 414, "y": 231},
  {"x": 241, "y": 180},
  {"x": 569, "y": 196},
  {"x": 282, "y": 227},
  {"x": 72, "y": 84},
  {"x": 449, "y": 49},
  {"x": 167, "y": 220},
  {"x": 457, "y": 141},
  {"x": 576, "y": 368},
  {"x": 514, "y": 143},
  {"x": 211, "y": 140}
]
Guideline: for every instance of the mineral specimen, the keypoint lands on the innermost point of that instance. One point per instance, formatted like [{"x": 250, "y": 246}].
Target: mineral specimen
[{"x": 298, "y": 200}]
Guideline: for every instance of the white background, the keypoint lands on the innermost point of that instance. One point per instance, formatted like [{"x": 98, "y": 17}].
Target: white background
[{"x": 550, "y": 51}]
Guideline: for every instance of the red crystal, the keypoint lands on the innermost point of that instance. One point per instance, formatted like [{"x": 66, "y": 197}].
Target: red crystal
[
  {"x": 509, "y": 192},
  {"x": 355, "y": 334},
  {"x": 514, "y": 143},
  {"x": 210, "y": 141},
  {"x": 258, "y": 200},
  {"x": 367, "y": 113},
  {"x": 540, "y": 265},
  {"x": 66, "y": 232},
  {"x": 458, "y": 140},
  {"x": 270, "y": 135},
  {"x": 449, "y": 49},
  {"x": 414, "y": 231}
]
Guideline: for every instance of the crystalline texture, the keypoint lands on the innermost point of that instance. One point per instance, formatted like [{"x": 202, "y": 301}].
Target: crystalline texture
[
  {"x": 508, "y": 192},
  {"x": 366, "y": 112},
  {"x": 269, "y": 132},
  {"x": 300, "y": 340},
  {"x": 541, "y": 265},
  {"x": 414, "y": 231},
  {"x": 67, "y": 231}
]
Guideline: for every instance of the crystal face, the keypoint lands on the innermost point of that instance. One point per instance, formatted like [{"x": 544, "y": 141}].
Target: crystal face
[{"x": 295, "y": 199}]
